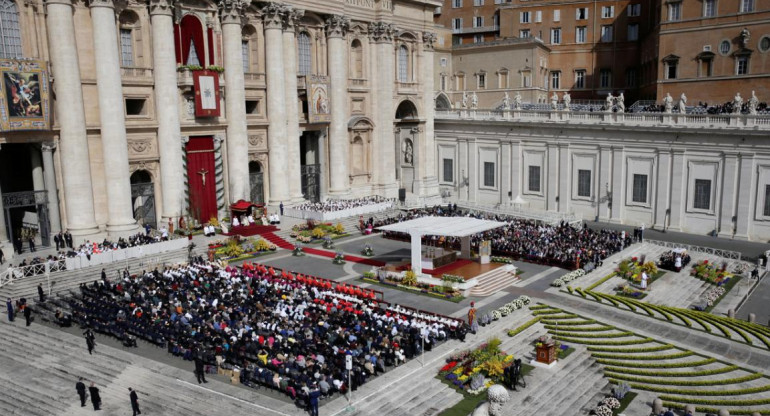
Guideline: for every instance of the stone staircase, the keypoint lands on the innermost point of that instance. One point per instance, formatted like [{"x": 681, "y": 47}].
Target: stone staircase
[
  {"x": 493, "y": 281},
  {"x": 66, "y": 280}
]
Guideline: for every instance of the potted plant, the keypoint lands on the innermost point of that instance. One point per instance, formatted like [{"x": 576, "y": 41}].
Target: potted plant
[{"x": 297, "y": 251}]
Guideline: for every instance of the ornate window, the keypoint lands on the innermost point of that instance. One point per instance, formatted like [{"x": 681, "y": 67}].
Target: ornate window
[
  {"x": 10, "y": 36},
  {"x": 356, "y": 59},
  {"x": 126, "y": 48},
  {"x": 245, "y": 55},
  {"x": 249, "y": 49},
  {"x": 303, "y": 49},
  {"x": 403, "y": 63}
]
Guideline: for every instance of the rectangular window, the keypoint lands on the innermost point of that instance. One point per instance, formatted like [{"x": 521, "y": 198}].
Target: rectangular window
[
  {"x": 633, "y": 32},
  {"x": 489, "y": 174},
  {"x": 742, "y": 65},
  {"x": 496, "y": 20},
  {"x": 478, "y": 38},
  {"x": 482, "y": 81},
  {"x": 580, "y": 79},
  {"x": 671, "y": 69},
  {"x": 556, "y": 15},
  {"x": 674, "y": 12},
  {"x": 555, "y": 36},
  {"x": 580, "y": 34},
  {"x": 457, "y": 23},
  {"x": 584, "y": 183},
  {"x": 126, "y": 48},
  {"x": 605, "y": 78},
  {"x": 136, "y": 107},
  {"x": 456, "y": 4},
  {"x": 538, "y": 16},
  {"x": 634, "y": 10},
  {"x": 702, "y": 195},
  {"x": 709, "y": 8},
  {"x": 526, "y": 80},
  {"x": 245, "y": 56},
  {"x": 640, "y": 189},
  {"x": 747, "y": 6},
  {"x": 581, "y": 13},
  {"x": 534, "y": 179},
  {"x": 555, "y": 78},
  {"x": 524, "y": 17},
  {"x": 631, "y": 77},
  {"x": 448, "y": 170},
  {"x": 608, "y": 12},
  {"x": 478, "y": 3},
  {"x": 607, "y": 33},
  {"x": 478, "y": 21},
  {"x": 524, "y": 33},
  {"x": 766, "y": 210}
]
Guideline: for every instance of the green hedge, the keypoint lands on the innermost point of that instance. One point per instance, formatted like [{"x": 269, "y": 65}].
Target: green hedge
[
  {"x": 570, "y": 328},
  {"x": 670, "y": 382},
  {"x": 539, "y": 306},
  {"x": 645, "y": 357},
  {"x": 539, "y": 312},
  {"x": 514, "y": 332},
  {"x": 697, "y": 400},
  {"x": 606, "y": 342},
  {"x": 657, "y": 365},
  {"x": 693, "y": 392},
  {"x": 600, "y": 281},
  {"x": 581, "y": 335},
  {"x": 630, "y": 350},
  {"x": 630, "y": 371},
  {"x": 703, "y": 409},
  {"x": 560, "y": 316},
  {"x": 567, "y": 323}
]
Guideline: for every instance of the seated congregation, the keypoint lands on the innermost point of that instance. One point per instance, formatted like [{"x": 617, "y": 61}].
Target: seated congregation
[
  {"x": 333, "y": 205},
  {"x": 556, "y": 245},
  {"x": 283, "y": 331}
]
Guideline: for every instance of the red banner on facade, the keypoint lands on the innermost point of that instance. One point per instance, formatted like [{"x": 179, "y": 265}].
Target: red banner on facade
[{"x": 206, "y": 93}]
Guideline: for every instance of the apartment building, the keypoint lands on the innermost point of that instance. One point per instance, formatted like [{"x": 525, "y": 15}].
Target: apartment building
[{"x": 471, "y": 21}]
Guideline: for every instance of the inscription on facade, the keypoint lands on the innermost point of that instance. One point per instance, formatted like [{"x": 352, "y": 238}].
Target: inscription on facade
[{"x": 371, "y": 4}]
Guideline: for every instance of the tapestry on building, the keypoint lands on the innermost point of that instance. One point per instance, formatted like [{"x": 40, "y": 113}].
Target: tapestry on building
[
  {"x": 201, "y": 178},
  {"x": 24, "y": 104},
  {"x": 206, "y": 93},
  {"x": 318, "y": 107}
]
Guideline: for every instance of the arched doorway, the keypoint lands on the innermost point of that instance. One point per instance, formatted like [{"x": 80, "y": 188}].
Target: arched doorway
[
  {"x": 442, "y": 102},
  {"x": 256, "y": 182},
  {"x": 407, "y": 135},
  {"x": 143, "y": 198}
]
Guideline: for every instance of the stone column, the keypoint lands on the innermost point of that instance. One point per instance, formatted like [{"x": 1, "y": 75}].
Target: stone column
[
  {"x": 416, "y": 252},
  {"x": 337, "y": 48},
  {"x": 678, "y": 188},
  {"x": 384, "y": 83},
  {"x": 506, "y": 191},
  {"x": 605, "y": 178},
  {"x": 292, "y": 102},
  {"x": 565, "y": 185},
  {"x": 38, "y": 183},
  {"x": 743, "y": 212},
  {"x": 551, "y": 183},
  {"x": 120, "y": 221},
  {"x": 618, "y": 182},
  {"x": 54, "y": 214},
  {"x": 273, "y": 14},
  {"x": 230, "y": 13},
  {"x": 728, "y": 194},
  {"x": 428, "y": 146},
  {"x": 664, "y": 180},
  {"x": 166, "y": 108},
  {"x": 516, "y": 166},
  {"x": 70, "y": 113}
]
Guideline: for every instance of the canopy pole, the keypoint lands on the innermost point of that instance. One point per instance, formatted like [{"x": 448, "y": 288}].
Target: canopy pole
[
  {"x": 465, "y": 247},
  {"x": 416, "y": 252}
]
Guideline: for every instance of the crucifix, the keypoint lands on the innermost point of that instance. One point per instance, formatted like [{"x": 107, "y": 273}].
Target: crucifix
[{"x": 203, "y": 173}]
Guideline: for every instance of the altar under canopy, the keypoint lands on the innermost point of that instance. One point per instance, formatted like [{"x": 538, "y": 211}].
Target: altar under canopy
[{"x": 463, "y": 227}]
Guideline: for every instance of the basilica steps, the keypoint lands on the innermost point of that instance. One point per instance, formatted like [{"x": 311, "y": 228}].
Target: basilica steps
[
  {"x": 71, "y": 279},
  {"x": 493, "y": 281}
]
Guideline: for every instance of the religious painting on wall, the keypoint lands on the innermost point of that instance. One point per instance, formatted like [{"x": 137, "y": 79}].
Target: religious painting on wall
[
  {"x": 24, "y": 104},
  {"x": 319, "y": 110},
  {"x": 206, "y": 85}
]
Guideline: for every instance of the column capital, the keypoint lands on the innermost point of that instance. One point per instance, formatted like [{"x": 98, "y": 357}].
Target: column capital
[
  {"x": 48, "y": 146},
  {"x": 62, "y": 2},
  {"x": 231, "y": 11},
  {"x": 428, "y": 38},
  {"x": 381, "y": 31},
  {"x": 291, "y": 18},
  {"x": 110, "y": 4},
  {"x": 162, "y": 7},
  {"x": 272, "y": 15},
  {"x": 337, "y": 26}
]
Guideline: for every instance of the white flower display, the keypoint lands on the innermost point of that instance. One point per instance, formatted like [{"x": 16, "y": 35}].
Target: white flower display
[
  {"x": 603, "y": 411},
  {"x": 568, "y": 277},
  {"x": 611, "y": 402}
]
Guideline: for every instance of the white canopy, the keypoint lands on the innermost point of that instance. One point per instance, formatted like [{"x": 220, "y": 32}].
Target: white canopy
[{"x": 446, "y": 226}]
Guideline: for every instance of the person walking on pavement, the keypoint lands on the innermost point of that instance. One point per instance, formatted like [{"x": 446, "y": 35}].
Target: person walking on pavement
[
  {"x": 40, "y": 293},
  {"x": 90, "y": 340},
  {"x": 2, "y": 256},
  {"x": 81, "y": 388},
  {"x": 134, "y": 402},
  {"x": 9, "y": 305},
  {"x": 281, "y": 207},
  {"x": 315, "y": 393},
  {"x": 199, "y": 373},
  {"x": 96, "y": 400},
  {"x": 28, "y": 314},
  {"x": 31, "y": 244}
]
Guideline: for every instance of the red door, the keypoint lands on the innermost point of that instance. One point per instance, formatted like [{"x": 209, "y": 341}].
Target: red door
[{"x": 201, "y": 178}]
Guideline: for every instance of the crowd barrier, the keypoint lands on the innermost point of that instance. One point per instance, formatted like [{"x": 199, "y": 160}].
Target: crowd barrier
[{"x": 333, "y": 215}]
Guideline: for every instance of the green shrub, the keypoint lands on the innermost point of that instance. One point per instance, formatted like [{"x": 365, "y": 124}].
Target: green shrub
[
  {"x": 567, "y": 323},
  {"x": 631, "y": 371},
  {"x": 605, "y": 341},
  {"x": 578, "y": 328},
  {"x": 657, "y": 365},
  {"x": 696, "y": 392},
  {"x": 703, "y": 409},
  {"x": 630, "y": 350},
  {"x": 665, "y": 381},
  {"x": 645, "y": 357},
  {"x": 514, "y": 332},
  {"x": 693, "y": 400},
  {"x": 600, "y": 281},
  {"x": 580, "y": 335}
]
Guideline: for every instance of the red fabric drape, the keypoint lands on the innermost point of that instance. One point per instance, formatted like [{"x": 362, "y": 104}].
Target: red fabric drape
[
  {"x": 200, "y": 160},
  {"x": 192, "y": 29},
  {"x": 211, "y": 46},
  {"x": 177, "y": 45}
]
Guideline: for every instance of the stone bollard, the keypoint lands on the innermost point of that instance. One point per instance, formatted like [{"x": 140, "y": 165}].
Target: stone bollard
[
  {"x": 689, "y": 408},
  {"x": 752, "y": 318},
  {"x": 731, "y": 313},
  {"x": 657, "y": 406},
  {"x": 724, "y": 412}
]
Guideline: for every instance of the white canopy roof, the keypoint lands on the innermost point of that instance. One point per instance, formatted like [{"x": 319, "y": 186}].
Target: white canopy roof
[{"x": 446, "y": 226}]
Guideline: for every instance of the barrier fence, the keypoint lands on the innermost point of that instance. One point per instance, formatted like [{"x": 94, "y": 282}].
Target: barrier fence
[{"x": 728, "y": 254}]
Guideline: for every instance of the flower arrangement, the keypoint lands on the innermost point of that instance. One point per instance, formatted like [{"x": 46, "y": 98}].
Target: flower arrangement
[
  {"x": 631, "y": 292},
  {"x": 214, "y": 221},
  {"x": 370, "y": 275},
  {"x": 632, "y": 269},
  {"x": 318, "y": 232},
  {"x": 304, "y": 239},
  {"x": 297, "y": 251},
  {"x": 498, "y": 259},
  {"x": 339, "y": 258},
  {"x": 215, "y": 68},
  {"x": 561, "y": 281},
  {"x": 620, "y": 391},
  {"x": 474, "y": 371},
  {"x": 368, "y": 251},
  {"x": 339, "y": 228},
  {"x": 611, "y": 402},
  {"x": 451, "y": 278},
  {"x": 328, "y": 243},
  {"x": 410, "y": 278},
  {"x": 712, "y": 295},
  {"x": 711, "y": 273},
  {"x": 603, "y": 411}
]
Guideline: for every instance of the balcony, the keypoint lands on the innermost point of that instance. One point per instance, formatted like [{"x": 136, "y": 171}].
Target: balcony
[
  {"x": 358, "y": 83},
  {"x": 132, "y": 74},
  {"x": 254, "y": 78},
  {"x": 407, "y": 87},
  {"x": 301, "y": 82},
  {"x": 480, "y": 29}
]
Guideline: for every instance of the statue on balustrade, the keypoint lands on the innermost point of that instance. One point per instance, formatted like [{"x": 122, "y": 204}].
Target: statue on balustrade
[
  {"x": 620, "y": 102},
  {"x": 517, "y": 101},
  {"x": 610, "y": 103},
  {"x": 682, "y": 106},
  {"x": 474, "y": 100},
  {"x": 554, "y": 101},
  {"x": 753, "y": 103},
  {"x": 737, "y": 103},
  {"x": 668, "y": 103},
  {"x": 567, "y": 99},
  {"x": 506, "y": 101},
  {"x": 465, "y": 100}
]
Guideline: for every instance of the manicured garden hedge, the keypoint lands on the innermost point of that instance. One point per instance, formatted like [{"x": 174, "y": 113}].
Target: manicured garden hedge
[
  {"x": 605, "y": 341},
  {"x": 665, "y": 381},
  {"x": 658, "y": 365},
  {"x": 694, "y": 392},
  {"x": 673, "y": 356},
  {"x": 514, "y": 332},
  {"x": 661, "y": 347},
  {"x": 631, "y": 371}
]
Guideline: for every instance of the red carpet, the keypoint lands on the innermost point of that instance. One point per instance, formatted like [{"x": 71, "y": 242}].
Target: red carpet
[
  {"x": 280, "y": 242},
  {"x": 253, "y": 229}
]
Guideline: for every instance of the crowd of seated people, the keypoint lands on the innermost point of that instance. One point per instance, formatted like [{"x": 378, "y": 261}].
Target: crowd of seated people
[
  {"x": 674, "y": 261},
  {"x": 562, "y": 245},
  {"x": 89, "y": 248},
  {"x": 286, "y": 332},
  {"x": 705, "y": 108},
  {"x": 342, "y": 204},
  {"x": 36, "y": 265}
]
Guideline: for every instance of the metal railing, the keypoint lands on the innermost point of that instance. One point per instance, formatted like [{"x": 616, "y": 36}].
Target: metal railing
[
  {"x": 728, "y": 254},
  {"x": 547, "y": 217},
  {"x": 15, "y": 273}
]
